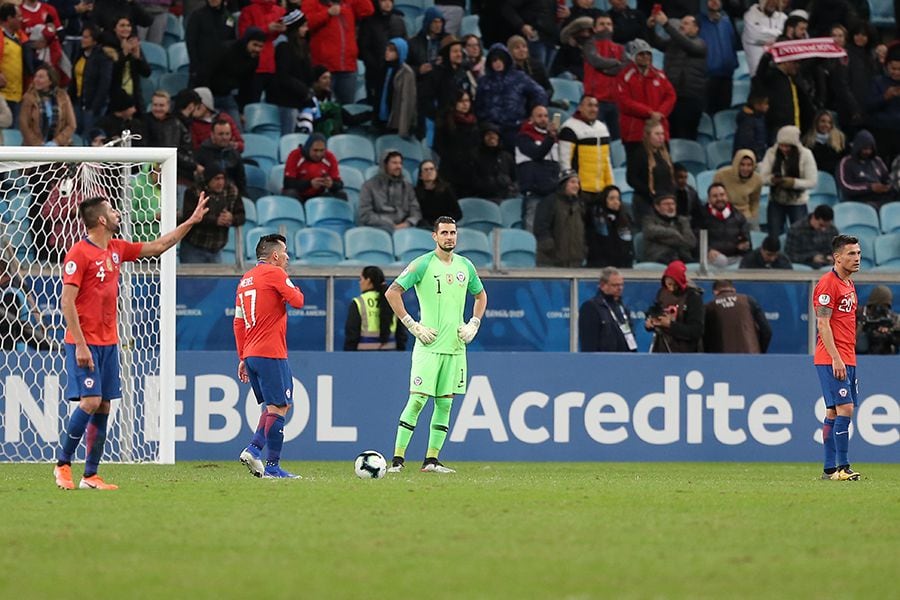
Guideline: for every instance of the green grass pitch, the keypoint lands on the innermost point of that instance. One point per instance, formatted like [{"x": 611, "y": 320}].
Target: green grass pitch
[{"x": 500, "y": 530}]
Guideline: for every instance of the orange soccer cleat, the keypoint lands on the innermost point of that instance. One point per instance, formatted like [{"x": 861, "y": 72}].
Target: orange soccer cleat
[
  {"x": 95, "y": 483},
  {"x": 63, "y": 476}
]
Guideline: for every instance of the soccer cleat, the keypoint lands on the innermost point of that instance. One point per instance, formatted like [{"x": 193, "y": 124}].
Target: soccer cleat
[
  {"x": 63, "y": 476},
  {"x": 433, "y": 465},
  {"x": 845, "y": 474},
  {"x": 277, "y": 472},
  {"x": 826, "y": 476},
  {"x": 95, "y": 483},
  {"x": 250, "y": 459},
  {"x": 396, "y": 465}
]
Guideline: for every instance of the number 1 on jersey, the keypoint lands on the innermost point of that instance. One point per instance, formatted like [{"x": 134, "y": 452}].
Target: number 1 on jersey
[
  {"x": 437, "y": 278},
  {"x": 249, "y": 316}
]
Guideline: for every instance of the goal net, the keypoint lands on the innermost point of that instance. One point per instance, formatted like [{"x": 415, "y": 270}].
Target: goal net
[{"x": 40, "y": 189}]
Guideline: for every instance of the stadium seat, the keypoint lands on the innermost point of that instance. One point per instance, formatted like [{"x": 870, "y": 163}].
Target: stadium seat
[
  {"x": 867, "y": 248},
  {"x": 250, "y": 213},
  {"x": 411, "y": 150},
  {"x": 887, "y": 250},
  {"x": 174, "y": 30},
  {"x": 801, "y": 267},
  {"x": 275, "y": 181},
  {"x": 740, "y": 89},
  {"x": 743, "y": 70},
  {"x": 854, "y": 218},
  {"x": 511, "y": 213},
  {"x": 474, "y": 245},
  {"x": 252, "y": 236},
  {"x": 278, "y": 211},
  {"x": 409, "y": 9},
  {"x": 570, "y": 90},
  {"x": 354, "y": 150},
  {"x": 262, "y": 118},
  {"x": 638, "y": 242},
  {"x": 890, "y": 217},
  {"x": 256, "y": 181},
  {"x": 816, "y": 199},
  {"x": 648, "y": 266},
  {"x": 617, "y": 154},
  {"x": 173, "y": 82},
  {"x": 518, "y": 248},
  {"x": 156, "y": 57},
  {"x": 726, "y": 123},
  {"x": 317, "y": 246},
  {"x": 718, "y": 153},
  {"x": 882, "y": 13},
  {"x": 480, "y": 214},
  {"x": 659, "y": 59},
  {"x": 689, "y": 153},
  {"x": 704, "y": 179},
  {"x": 179, "y": 62},
  {"x": 290, "y": 142},
  {"x": 261, "y": 149},
  {"x": 469, "y": 25},
  {"x": 330, "y": 213},
  {"x": 410, "y": 243},
  {"x": 228, "y": 253},
  {"x": 706, "y": 129},
  {"x": 369, "y": 245},
  {"x": 756, "y": 238},
  {"x": 353, "y": 179},
  {"x": 12, "y": 137}
]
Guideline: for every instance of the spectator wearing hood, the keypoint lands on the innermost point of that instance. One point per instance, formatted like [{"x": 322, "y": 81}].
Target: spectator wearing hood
[
  {"x": 677, "y": 316},
  {"x": 205, "y": 114},
  {"x": 122, "y": 115},
  {"x": 644, "y": 92},
  {"x": 456, "y": 139},
  {"x": 559, "y": 225},
  {"x": 494, "y": 177},
  {"x": 205, "y": 241},
  {"x": 603, "y": 59},
  {"x": 570, "y": 56},
  {"x": 312, "y": 170},
  {"x": 763, "y": 24},
  {"x": 388, "y": 201},
  {"x": 506, "y": 95},
  {"x": 537, "y": 161},
  {"x": 208, "y": 30},
  {"x": 374, "y": 32},
  {"x": 438, "y": 89},
  {"x": 236, "y": 70},
  {"x": 789, "y": 169},
  {"x": 722, "y": 45},
  {"x": 425, "y": 46},
  {"x": 289, "y": 89},
  {"x": 332, "y": 40},
  {"x": 265, "y": 16},
  {"x": 396, "y": 108},
  {"x": 862, "y": 176},
  {"x": 584, "y": 147},
  {"x": 743, "y": 184},
  {"x": 826, "y": 141}
]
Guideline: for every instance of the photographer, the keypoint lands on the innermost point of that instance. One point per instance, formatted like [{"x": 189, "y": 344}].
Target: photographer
[
  {"x": 878, "y": 326},
  {"x": 676, "y": 318}
]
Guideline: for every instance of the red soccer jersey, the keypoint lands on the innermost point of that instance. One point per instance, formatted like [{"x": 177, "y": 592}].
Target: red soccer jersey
[
  {"x": 840, "y": 296},
  {"x": 95, "y": 272},
  {"x": 260, "y": 314}
]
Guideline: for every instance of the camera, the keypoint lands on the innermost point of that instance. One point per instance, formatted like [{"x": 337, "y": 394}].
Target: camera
[
  {"x": 655, "y": 311},
  {"x": 880, "y": 334}
]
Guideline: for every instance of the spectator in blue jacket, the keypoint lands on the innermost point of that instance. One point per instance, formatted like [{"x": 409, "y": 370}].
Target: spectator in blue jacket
[
  {"x": 506, "y": 95},
  {"x": 604, "y": 323},
  {"x": 717, "y": 31},
  {"x": 537, "y": 161},
  {"x": 884, "y": 107},
  {"x": 751, "y": 130}
]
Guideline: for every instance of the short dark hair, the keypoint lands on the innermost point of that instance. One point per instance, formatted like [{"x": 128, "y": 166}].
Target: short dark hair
[
  {"x": 722, "y": 284},
  {"x": 445, "y": 221},
  {"x": 839, "y": 241},
  {"x": 794, "y": 20},
  {"x": 716, "y": 184},
  {"x": 220, "y": 122},
  {"x": 771, "y": 243},
  {"x": 391, "y": 154},
  {"x": 7, "y": 11},
  {"x": 95, "y": 31},
  {"x": 586, "y": 96},
  {"x": 680, "y": 168},
  {"x": 90, "y": 210},
  {"x": 267, "y": 244},
  {"x": 823, "y": 212}
]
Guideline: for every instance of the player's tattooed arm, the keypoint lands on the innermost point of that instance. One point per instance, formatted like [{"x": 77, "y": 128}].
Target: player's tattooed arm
[
  {"x": 397, "y": 288},
  {"x": 823, "y": 312}
]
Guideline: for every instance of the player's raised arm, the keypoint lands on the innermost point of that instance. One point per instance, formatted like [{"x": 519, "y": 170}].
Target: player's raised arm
[{"x": 164, "y": 242}]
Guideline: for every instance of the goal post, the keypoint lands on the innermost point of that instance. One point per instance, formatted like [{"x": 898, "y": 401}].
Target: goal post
[{"x": 40, "y": 188}]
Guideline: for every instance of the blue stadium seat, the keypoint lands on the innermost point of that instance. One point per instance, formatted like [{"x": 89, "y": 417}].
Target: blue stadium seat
[
  {"x": 617, "y": 154},
  {"x": 764, "y": 210},
  {"x": 275, "y": 181},
  {"x": 156, "y": 57},
  {"x": 887, "y": 250},
  {"x": 638, "y": 242},
  {"x": 250, "y": 213},
  {"x": 743, "y": 70},
  {"x": 718, "y": 153},
  {"x": 511, "y": 213},
  {"x": 659, "y": 59},
  {"x": 290, "y": 142},
  {"x": 740, "y": 89},
  {"x": 261, "y": 149},
  {"x": 278, "y": 211},
  {"x": 252, "y": 236},
  {"x": 179, "y": 62},
  {"x": 518, "y": 248},
  {"x": 469, "y": 25},
  {"x": 689, "y": 153},
  {"x": 353, "y": 179},
  {"x": 726, "y": 123},
  {"x": 12, "y": 137},
  {"x": 801, "y": 267},
  {"x": 570, "y": 90},
  {"x": 173, "y": 82},
  {"x": 480, "y": 214},
  {"x": 816, "y": 199},
  {"x": 256, "y": 181},
  {"x": 855, "y": 218},
  {"x": 263, "y": 118},
  {"x": 890, "y": 217},
  {"x": 704, "y": 179},
  {"x": 756, "y": 238},
  {"x": 330, "y": 213},
  {"x": 410, "y": 243},
  {"x": 317, "y": 246},
  {"x": 867, "y": 248},
  {"x": 474, "y": 245},
  {"x": 648, "y": 266},
  {"x": 882, "y": 13},
  {"x": 228, "y": 253},
  {"x": 826, "y": 184},
  {"x": 369, "y": 245},
  {"x": 354, "y": 150},
  {"x": 410, "y": 149},
  {"x": 706, "y": 129},
  {"x": 174, "y": 30},
  {"x": 409, "y": 10}
]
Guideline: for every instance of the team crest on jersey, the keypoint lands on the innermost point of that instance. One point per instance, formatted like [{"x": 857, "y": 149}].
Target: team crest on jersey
[
  {"x": 843, "y": 392},
  {"x": 449, "y": 278},
  {"x": 71, "y": 267},
  {"x": 287, "y": 393},
  {"x": 115, "y": 256},
  {"x": 89, "y": 382},
  {"x": 824, "y": 299},
  {"x": 460, "y": 276},
  {"x": 417, "y": 381}
]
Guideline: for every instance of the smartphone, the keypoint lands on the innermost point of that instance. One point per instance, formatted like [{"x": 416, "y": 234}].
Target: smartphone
[
  {"x": 657, "y": 8},
  {"x": 557, "y": 118}
]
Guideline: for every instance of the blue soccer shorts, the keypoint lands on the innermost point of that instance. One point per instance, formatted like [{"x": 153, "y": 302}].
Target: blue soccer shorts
[
  {"x": 104, "y": 381},
  {"x": 271, "y": 380},
  {"x": 837, "y": 391}
]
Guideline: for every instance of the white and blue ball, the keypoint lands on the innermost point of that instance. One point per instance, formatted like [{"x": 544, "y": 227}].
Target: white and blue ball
[{"x": 370, "y": 465}]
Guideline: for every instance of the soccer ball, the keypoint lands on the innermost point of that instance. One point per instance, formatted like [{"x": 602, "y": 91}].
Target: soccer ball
[{"x": 370, "y": 465}]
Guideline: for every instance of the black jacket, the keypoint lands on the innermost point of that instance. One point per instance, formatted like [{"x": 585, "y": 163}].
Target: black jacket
[
  {"x": 456, "y": 146},
  {"x": 293, "y": 76},
  {"x": 139, "y": 68},
  {"x": 439, "y": 202},
  {"x": 208, "y": 31},
  {"x": 95, "y": 84},
  {"x": 598, "y": 327},
  {"x": 171, "y": 133},
  {"x": 227, "y": 158},
  {"x": 234, "y": 69},
  {"x": 495, "y": 174}
]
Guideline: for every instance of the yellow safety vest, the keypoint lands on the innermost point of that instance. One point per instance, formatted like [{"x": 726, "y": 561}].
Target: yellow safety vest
[{"x": 370, "y": 326}]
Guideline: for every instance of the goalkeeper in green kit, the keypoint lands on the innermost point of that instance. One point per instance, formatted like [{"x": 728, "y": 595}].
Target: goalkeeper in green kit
[{"x": 442, "y": 279}]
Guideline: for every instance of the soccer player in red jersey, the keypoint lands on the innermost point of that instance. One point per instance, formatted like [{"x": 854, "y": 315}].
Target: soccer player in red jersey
[
  {"x": 835, "y": 302},
  {"x": 90, "y": 295},
  {"x": 260, "y": 330}
]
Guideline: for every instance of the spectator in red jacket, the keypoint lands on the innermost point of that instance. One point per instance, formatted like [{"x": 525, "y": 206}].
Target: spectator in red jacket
[
  {"x": 603, "y": 60},
  {"x": 332, "y": 40},
  {"x": 644, "y": 93},
  {"x": 312, "y": 170},
  {"x": 267, "y": 16}
]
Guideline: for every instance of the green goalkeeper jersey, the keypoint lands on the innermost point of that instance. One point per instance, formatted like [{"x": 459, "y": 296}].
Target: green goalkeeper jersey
[{"x": 441, "y": 289}]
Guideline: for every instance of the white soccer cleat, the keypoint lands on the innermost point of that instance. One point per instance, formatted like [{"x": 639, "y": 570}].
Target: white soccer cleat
[
  {"x": 433, "y": 465},
  {"x": 253, "y": 462}
]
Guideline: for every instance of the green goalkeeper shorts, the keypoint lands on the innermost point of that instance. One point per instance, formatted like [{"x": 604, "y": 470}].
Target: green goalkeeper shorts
[{"x": 437, "y": 374}]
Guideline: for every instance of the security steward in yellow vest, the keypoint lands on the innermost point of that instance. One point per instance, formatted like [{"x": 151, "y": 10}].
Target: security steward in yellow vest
[{"x": 362, "y": 330}]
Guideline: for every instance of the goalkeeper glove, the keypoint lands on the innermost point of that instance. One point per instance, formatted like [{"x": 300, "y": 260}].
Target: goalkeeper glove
[
  {"x": 467, "y": 332},
  {"x": 426, "y": 335}
]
